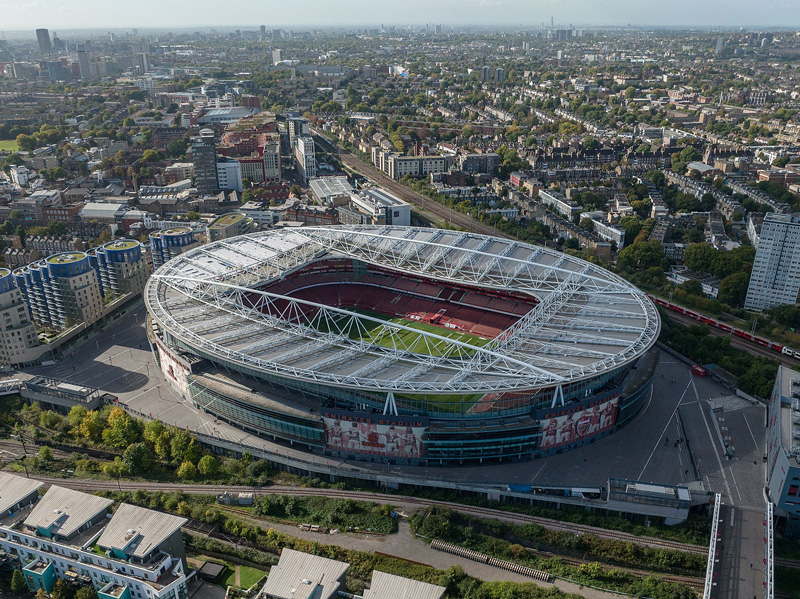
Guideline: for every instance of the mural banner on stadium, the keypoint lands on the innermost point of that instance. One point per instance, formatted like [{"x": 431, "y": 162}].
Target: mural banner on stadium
[
  {"x": 396, "y": 436},
  {"x": 575, "y": 426}
]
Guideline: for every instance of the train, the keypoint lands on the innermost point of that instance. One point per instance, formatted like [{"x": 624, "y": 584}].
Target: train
[{"x": 771, "y": 345}]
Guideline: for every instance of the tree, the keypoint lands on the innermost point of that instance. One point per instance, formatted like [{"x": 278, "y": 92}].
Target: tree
[
  {"x": 26, "y": 142},
  {"x": 158, "y": 438},
  {"x": 75, "y": 417},
  {"x": 641, "y": 256},
  {"x": 137, "y": 458},
  {"x": 192, "y": 215},
  {"x": 41, "y": 594},
  {"x": 586, "y": 224},
  {"x": 184, "y": 448},
  {"x": 151, "y": 156},
  {"x": 117, "y": 468},
  {"x": 18, "y": 584},
  {"x": 86, "y": 593},
  {"x": 187, "y": 471},
  {"x": 62, "y": 590},
  {"x": 92, "y": 426},
  {"x": 693, "y": 287},
  {"x": 128, "y": 122},
  {"x": 46, "y": 454},
  {"x": 122, "y": 430},
  {"x": 296, "y": 191},
  {"x": 590, "y": 143},
  {"x": 208, "y": 465},
  {"x": 733, "y": 289}
]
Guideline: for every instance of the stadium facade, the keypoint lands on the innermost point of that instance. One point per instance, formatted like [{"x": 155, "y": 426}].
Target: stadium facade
[{"x": 403, "y": 345}]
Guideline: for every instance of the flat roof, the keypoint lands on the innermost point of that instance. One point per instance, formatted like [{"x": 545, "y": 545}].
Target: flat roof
[
  {"x": 66, "y": 258},
  {"x": 226, "y": 220},
  {"x": 384, "y": 197},
  {"x": 14, "y": 489},
  {"x": 299, "y": 575},
  {"x": 121, "y": 244},
  {"x": 137, "y": 530},
  {"x": 64, "y": 511},
  {"x": 330, "y": 186},
  {"x": 389, "y": 586},
  {"x": 172, "y": 231}
]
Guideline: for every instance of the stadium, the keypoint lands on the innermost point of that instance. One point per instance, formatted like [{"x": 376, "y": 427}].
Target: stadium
[{"x": 403, "y": 345}]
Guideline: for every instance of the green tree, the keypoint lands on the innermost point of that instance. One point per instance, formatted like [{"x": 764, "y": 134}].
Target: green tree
[
  {"x": 86, "y": 593},
  {"x": 733, "y": 289},
  {"x": 45, "y": 453},
  {"x": 151, "y": 156},
  {"x": 62, "y": 590},
  {"x": 18, "y": 584},
  {"x": 187, "y": 471},
  {"x": 158, "y": 437},
  {"x": 122, "y": 430},
  {"x": 92, "y": 426},
  {"x": 137, "y": 458},
  {"x": 26, "y": 142},
  {"x": 116, "y": 469},
  {"x": 184, "y": 448},
  {"x": 641, "y": 256},
  {"x": 208, "y": 465}
]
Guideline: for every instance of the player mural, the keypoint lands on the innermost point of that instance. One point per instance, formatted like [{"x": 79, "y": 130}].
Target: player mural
[
  {"x": 396, "y": 436},
  {"x": 563, "y": 426}
]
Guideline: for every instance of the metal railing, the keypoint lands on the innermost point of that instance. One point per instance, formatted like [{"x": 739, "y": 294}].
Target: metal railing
[
  {"x": 712, "y": 547},
  {"x": 769, "y": 554}
]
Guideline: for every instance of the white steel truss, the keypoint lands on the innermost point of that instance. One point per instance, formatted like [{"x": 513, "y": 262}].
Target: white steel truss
[{"x": 585, "y": 320}]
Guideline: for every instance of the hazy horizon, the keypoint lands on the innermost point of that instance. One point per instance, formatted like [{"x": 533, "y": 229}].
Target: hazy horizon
[{"x": 151, "y": 14}]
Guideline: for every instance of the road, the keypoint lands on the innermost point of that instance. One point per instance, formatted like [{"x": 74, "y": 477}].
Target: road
[
  {"x": 736, "y": 342},
  {"x": 412, "y": 197}
]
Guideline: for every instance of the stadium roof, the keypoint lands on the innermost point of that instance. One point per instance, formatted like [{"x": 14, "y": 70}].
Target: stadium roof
[{"x": 586, "y": 321}]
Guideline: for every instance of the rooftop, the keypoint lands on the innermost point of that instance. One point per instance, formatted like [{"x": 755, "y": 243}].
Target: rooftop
[
  {"x": 300, "y": 575},
  {"x": 64, "y": 511},
  {"x": 173, "y": 231},
  {"x": 14, "y": 489},
  {"x": 137, "y": 530},
  {"x": 121, "y": 244},
  {"x": 226, "y": 220},
  {"x": 389, "y": 586},
  {"x": 66, "y": 258}
]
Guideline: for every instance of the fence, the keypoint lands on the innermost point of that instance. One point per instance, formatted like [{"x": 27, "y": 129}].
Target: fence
[{"x": 492, "y": 561}]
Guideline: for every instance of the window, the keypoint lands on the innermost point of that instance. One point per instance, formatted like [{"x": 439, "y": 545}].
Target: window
[{"x": 793, "y": 490}]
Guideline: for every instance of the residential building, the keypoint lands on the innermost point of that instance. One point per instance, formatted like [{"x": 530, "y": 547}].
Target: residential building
[
  {"x": 168, "y": 243},
  {"x": 136, "y": 553},
  {"x": 18, "y": 334},
  {"x": 143, "y": 62},
  {"x": 19, "y": 175},
  {"x": 558, "y": 203},
  {"x": 120, "y": 267},
  {"x": 775, "y": 278},
  {"x": 391, "y": 586},
  {"x": 330, "y": 191},
  {"x": 204, "y": 159},
  {"x": 782, "y": 475},
  {"x": 61, "y": 291},
  {"x": 230, "y": 225},
  {"x": 376, "y": 206},
  {"x": 303, "y": 576},
  {"x": 604, "y": 229},
  {"x": 277, "y": 56},
  {"x": 479, "y": 163},
  {"x": 754, "y": 222},
  {"x": 229, "y": 174},
  {"x": 305, "y": 160},
  {"x": 296, "y": 127},
  {"x": 179, "y": 171}
]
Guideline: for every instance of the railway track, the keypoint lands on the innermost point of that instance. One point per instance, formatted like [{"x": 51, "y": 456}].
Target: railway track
[
  {"x": 488, "y": 513},
  {"x": 420, "y": 201},
  {"x": 736, "y": 342},
  {"x": 689, "y": 581}
]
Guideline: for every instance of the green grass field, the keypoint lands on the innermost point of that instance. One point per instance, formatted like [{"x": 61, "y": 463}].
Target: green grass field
[
  {"x": 415, "y": 342},
  {"x": 8, "y": 145}
]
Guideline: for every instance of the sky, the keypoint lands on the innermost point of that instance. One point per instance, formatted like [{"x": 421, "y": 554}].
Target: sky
[{"x": 61, "y": 15}]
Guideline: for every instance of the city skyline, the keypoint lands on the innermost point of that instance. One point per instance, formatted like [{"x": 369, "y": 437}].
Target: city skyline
[{"x": 355, "y": 13}]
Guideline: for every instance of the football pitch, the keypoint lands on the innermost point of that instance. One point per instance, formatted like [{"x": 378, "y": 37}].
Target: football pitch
[{"x": 417, "y": 343}]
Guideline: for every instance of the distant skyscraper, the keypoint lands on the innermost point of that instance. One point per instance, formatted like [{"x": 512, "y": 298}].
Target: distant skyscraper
[
  {"x": 277, "y": 55},
  {"x": 775, "y": 279},
  {"x": 85, "y": 64},
  {"x": 144, "y": 62},
  {"x": 263, "y": 31},
  {"x": 204, "y": 157},
  {"x": 720, "y": 46},
  {"x": 43, "y": 37},
  {"x": 486, "y": 73},
  {"x": 499, "y": 75}
]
